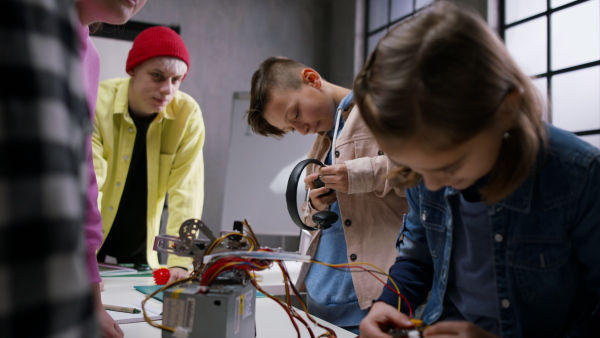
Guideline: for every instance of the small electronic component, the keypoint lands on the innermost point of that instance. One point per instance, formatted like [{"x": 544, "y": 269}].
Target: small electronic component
[{"x": 415, "y": 332}]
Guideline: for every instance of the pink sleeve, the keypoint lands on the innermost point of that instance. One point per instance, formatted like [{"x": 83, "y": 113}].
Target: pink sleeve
[
  {"x": 90, "y": 60},
  {"x": 93, "y": 222}
]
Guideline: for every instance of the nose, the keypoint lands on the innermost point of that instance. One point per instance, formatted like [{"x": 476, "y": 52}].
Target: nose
[
  {"x": 300, "y": 127},
  {"x": 434, "y": 182},
  {"x": 167, "y": 88}
]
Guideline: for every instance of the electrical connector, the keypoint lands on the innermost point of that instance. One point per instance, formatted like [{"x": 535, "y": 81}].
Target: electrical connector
[{"x": 181, "y": 332}]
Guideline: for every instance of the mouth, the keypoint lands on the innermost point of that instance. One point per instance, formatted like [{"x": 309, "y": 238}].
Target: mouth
[
  {"x": 159, "y": 101},
  {"x": 457, "y": 184}
]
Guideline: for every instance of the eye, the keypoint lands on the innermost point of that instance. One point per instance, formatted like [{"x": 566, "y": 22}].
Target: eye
[
  {"x": 156, "y": 76},
  {"x": 452, "y": 170}
]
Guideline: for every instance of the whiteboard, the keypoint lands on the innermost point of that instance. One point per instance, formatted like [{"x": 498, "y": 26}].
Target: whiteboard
[{"x": 258, "y": 169}]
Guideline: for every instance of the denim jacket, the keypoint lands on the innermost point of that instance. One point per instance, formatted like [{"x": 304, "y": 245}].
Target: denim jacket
[{"x": 546, "y": 246}]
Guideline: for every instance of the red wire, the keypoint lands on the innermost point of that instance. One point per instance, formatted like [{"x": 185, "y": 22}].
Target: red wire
[{"x": 410, "y": 311}]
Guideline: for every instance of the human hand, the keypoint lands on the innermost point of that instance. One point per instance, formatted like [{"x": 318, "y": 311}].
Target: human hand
[
  {"x": 319, "y": 198},
  {"x": 110, "y": 328},
  {"x": 335, "y": 177},
  {"x": 380, "y": 317},
  {"x": 177, "y": 274},
  {"x": 461, "y": 329}
]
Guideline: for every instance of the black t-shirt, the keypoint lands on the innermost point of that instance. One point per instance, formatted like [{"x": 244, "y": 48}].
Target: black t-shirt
[{"x": 126, "y": 240}]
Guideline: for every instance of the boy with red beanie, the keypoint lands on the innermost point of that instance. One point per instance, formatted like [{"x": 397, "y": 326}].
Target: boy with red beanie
[{"x": 147, "y": 142}]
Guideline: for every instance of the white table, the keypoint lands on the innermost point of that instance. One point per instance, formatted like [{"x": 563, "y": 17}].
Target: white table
[{"x": 271, "y": 320}]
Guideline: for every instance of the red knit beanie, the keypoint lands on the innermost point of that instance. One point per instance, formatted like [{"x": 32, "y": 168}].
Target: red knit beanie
[{"x": 156, "y": 41}]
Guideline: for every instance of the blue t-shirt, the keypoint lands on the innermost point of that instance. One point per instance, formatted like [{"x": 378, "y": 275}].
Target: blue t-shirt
[{"x": 471, "y": 293}]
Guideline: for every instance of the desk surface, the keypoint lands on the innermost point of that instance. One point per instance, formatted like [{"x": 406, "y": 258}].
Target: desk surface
[{"x": 271, "y": 320}]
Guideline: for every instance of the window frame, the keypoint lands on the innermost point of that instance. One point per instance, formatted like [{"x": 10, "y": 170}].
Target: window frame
[{"x": 549, "y": 74}]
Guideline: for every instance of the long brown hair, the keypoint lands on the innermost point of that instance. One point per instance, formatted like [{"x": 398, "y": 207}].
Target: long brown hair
[{"x": 442, "y": 77}]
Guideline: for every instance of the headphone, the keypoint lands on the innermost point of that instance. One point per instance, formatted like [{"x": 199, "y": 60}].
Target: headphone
[{"x": 323, "y": 219}]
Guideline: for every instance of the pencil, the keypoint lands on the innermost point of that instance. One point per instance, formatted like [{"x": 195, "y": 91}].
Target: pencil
[{"x": 121, "y": 308}]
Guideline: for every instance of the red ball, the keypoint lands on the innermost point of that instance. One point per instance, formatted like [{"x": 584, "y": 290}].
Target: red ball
[{"x": 161, "y": 276}]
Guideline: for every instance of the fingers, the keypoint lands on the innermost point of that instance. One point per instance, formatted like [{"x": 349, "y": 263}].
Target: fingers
[
  {"x": 114, "y": 332},
  {"x": 380, "y": 316},
  {"x": 177, "y": 274},
  {"x": 110, "y": 328},
  {"x": 320, "y": 201},
  {"x": 371, "y": 329},
  {"x": 335, "y": 177},
  {"x": 331, "y": 169},
  {"x": 317, "y": 193},
  {"x": 309, "y": 180},
  {"x": 119, "y": 331}
]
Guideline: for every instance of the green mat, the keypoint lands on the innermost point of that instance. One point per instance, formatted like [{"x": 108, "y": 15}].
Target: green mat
[{"x": 148, "y": 289}]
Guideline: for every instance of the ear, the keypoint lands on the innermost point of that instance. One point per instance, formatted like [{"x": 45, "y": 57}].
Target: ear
[
  {"x": 510, "y": 107},
  {"x": 131, "y": 72},
  {"x": 312, "y": 78}
]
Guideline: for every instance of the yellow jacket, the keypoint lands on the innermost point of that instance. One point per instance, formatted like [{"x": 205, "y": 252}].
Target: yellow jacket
[{"x": 175, "y": 164}]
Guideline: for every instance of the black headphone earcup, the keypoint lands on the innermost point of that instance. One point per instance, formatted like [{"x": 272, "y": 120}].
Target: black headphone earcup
[{"x": 325, "y": 219}]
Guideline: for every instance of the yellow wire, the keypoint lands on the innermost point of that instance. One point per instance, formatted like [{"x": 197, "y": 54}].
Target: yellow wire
[
  {"x": 150, "y": 321},
  {"x": 224, "y": 237},
  {"x": 369, "y": 264}
]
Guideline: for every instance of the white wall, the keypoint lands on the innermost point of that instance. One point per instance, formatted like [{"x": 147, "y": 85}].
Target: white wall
[
  {"x": 113, "y": 54},
  {"x": 255, "y": 186}
]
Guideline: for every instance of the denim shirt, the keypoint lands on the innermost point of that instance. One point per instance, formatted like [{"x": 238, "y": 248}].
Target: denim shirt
[{"x": 546, "y": 246}]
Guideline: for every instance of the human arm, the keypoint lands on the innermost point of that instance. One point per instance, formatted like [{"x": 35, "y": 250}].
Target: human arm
[
  {"x": 413, "y": 269},
  {"x": 100, "y": 163},
  {"x": 93, "y": 222},
  {"x": 370, "y": 174},
  {"x": 412, "y": 273}
]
